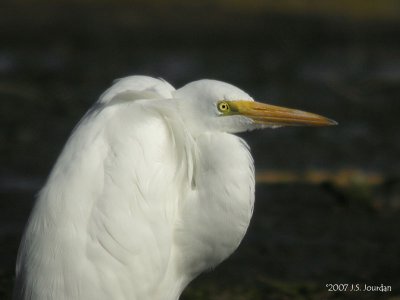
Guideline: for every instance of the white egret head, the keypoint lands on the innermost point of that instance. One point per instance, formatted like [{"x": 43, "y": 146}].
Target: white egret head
[{"x": 211, "y": 105}]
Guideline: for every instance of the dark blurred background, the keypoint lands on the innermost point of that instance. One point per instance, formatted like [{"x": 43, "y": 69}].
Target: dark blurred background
[{"x": 328, "y": 199}]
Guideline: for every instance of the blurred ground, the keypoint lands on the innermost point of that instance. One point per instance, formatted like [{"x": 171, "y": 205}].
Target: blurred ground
[{"x": 316, "y": 221}]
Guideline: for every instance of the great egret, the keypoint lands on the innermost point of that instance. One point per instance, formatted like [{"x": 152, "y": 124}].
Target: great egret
[{"x": 151, "y": 189}]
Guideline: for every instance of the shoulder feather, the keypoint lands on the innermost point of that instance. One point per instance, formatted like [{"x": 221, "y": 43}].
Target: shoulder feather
[{"x": 136, "y": 87}]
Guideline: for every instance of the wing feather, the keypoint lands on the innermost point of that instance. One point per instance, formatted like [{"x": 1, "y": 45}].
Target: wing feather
[{"x": 105, "y": 216}]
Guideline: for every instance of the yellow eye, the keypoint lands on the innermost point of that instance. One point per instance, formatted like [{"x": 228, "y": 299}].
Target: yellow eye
[{"x": 223, "y": 107}]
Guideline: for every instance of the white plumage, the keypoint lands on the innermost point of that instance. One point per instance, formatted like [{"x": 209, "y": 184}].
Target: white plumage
[{"x": 151, "y": 189}]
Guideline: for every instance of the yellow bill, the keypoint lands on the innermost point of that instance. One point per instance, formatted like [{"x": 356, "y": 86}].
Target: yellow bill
[{"x": 275, "y": 115}]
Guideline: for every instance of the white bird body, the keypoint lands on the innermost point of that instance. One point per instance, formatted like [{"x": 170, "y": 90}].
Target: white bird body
[{"x": 143, "y": 198}]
